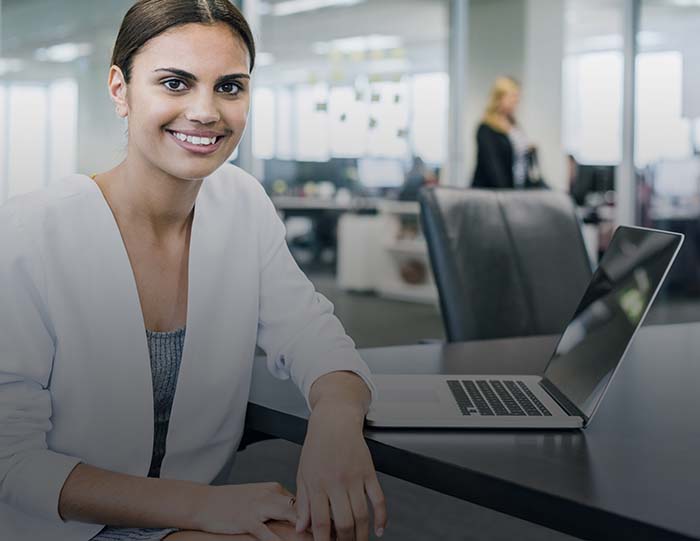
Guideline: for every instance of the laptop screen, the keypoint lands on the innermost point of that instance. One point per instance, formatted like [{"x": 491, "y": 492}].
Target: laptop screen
[{"x": 621, "y": 290}]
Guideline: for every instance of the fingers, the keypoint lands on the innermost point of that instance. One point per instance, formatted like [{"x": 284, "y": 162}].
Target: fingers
[
  {"x": 342, "y": 516},
  {"x": 320, "y": 517},
  {"x": 275, "y": 503},
  {"x": 376, "y": 496},
  {"x": 350, "y": 513},
  {"x": 358, "y": 502},
  {"x": 262, "y": 532},
  {"x": 284, "y": 509},
  {"x": 303, "y": 508}
]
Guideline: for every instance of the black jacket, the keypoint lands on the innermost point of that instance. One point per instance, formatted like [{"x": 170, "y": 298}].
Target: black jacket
[{"x": 494, "y": 161}]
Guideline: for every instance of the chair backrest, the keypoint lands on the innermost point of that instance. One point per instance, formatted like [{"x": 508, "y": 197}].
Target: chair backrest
[{"x": 506, "y": 263}]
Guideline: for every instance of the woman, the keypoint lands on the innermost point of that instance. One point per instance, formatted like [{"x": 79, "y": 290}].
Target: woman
[
  {"x": 177, "y": 258},
  {"x": 505, "y": 158}
]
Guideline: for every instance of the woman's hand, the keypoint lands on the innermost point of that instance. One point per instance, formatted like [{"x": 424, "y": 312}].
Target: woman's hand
[
  {"x": 336, "y": 475},
  {"x": 238, "y": 509}
]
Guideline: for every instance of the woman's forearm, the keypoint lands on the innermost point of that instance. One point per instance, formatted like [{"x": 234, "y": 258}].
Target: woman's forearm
[
  {"x": 100, "y": 496},
  {"x": 338, "y": 388}
]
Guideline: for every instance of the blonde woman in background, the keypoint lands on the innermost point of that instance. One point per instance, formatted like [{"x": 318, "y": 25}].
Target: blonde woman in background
[{"x": 505, "y": 156}]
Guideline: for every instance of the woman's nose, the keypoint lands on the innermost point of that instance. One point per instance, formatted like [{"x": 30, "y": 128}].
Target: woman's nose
[{"x": 203, "y": 109}]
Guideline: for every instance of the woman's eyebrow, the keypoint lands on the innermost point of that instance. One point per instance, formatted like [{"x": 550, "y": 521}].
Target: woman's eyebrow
[{"x": 190, "y": 76}]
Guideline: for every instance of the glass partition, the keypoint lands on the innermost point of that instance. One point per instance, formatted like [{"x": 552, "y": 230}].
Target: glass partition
[
  {"x": 667, "y": 154},
  {"x": 341, "y": 85}
]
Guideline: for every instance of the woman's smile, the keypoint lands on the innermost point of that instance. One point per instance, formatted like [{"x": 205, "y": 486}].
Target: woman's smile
[{"x": 197, "y": 144}]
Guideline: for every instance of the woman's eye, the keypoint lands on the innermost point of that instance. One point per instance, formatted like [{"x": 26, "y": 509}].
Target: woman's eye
[
  {"x": 172, "y": 84},
  {"x": 230, "y": 88}
]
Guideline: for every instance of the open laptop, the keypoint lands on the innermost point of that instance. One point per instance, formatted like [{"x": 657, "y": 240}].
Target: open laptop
[{"x": 585, "y": 359}]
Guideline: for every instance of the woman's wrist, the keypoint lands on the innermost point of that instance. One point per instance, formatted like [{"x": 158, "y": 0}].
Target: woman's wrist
[
  {"x": 341, "y": 415},
  {"x": 196, "y": 497}
]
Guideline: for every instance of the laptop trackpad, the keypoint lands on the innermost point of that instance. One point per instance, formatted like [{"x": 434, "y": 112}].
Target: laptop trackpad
[{"x": 419, "y": 394}]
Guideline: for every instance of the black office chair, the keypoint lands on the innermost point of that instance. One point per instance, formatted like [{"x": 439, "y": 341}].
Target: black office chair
[{"x": 506, "y": 262}]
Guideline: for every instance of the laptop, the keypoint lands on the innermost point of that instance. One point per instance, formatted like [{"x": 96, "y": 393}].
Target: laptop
[{"x": 586, "y": 357}]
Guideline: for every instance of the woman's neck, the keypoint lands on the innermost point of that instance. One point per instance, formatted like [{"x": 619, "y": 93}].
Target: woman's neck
[
  {"x": 151, "y": 201},
  {"x": 499, "y": 122}
]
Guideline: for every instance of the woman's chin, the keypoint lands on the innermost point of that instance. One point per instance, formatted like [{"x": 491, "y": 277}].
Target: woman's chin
[{"x": 193, "y": 172}]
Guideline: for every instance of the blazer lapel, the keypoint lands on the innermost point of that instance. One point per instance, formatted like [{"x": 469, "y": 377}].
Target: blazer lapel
[
  {"x": 214, "y": 380},
  {"x": 97, "y": 306}
]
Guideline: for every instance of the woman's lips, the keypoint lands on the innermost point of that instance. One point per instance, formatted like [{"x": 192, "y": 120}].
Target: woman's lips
[{"x": 197, "y": 149}]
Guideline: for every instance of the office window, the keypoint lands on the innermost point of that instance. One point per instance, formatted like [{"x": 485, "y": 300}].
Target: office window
[
  {"x": 264, "y": 123},
  {"x": 311, "y": 129},
  {"x": 388, "y": 120},
  {"x": 429, "y": 105},
  {"x": 592, "y": 105},
  {"x": 284, "y": 148},
  {"x": 661, "y": 132},
  {"x": 27, "y": 155},
  {"x": 43, "y": 122},
  {"x": 63, "y": 128},
  {"x": 348, "y": 122}
]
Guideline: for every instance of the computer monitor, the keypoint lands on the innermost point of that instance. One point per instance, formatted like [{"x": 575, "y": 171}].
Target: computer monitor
[
  {"x": 377, "y": 173},
  {"x": 677, "y": 178},
  {"x": 593, "y": 179}
]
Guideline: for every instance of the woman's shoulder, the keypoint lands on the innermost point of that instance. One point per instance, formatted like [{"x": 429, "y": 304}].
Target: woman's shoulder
[
  {"x": 486, "y": 129},
  {"x": 43, "y": 198}
]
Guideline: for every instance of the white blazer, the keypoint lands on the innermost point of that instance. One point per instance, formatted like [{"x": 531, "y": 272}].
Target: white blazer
[{"x": 75, "y": 382}]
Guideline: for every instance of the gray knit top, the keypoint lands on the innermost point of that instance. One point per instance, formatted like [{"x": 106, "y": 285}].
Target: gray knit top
[{"x": 165, "y": 349}]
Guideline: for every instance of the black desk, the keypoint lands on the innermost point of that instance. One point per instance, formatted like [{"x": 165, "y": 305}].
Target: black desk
[{"x": 633, "y": 474}]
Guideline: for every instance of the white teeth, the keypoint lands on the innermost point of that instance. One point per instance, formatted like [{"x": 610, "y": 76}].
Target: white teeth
[{"x": 195, "y": 140}]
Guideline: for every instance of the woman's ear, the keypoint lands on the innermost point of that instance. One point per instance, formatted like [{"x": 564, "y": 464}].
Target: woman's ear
[{"x": 117, "y": 91}]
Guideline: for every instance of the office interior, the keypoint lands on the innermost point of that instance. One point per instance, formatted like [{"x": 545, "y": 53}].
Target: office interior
[{"x": 347, "y": 93}]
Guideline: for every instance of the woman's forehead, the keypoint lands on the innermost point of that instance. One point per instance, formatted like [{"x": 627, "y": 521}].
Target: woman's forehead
[{"x": 196, "y": 48}]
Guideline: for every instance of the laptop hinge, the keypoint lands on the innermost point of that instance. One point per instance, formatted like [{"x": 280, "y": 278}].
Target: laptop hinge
[{"x": 566, "y": 404}]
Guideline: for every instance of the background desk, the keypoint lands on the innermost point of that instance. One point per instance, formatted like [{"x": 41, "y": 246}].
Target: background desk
[{"x": 633, "y": 474}]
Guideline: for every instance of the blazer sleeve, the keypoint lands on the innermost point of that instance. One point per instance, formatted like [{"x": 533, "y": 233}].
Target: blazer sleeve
[
  {"x": 297, "y": 329},
  {"x": 31, "y": 475},
  {"x": 495, "y": 166}
]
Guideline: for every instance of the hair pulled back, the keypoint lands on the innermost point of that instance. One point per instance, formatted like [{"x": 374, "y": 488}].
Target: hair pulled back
[
  {"x": 502, "y": 85},
  {"x": 147, "y": 19}
]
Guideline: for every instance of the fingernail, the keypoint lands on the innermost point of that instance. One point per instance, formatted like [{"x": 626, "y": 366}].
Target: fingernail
[{"x": 380, "y": 532}]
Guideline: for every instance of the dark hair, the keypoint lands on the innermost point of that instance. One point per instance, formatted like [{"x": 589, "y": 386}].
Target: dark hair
[{"x": 147, "y": 19}]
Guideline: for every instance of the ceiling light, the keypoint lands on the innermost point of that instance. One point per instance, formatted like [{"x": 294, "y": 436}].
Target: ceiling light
[
  {"x": 9, "y": 65},
  {"x": 64, "y": 52},
  {"x": 290, "y": 7},
  {"x": 358, "y": 44}
]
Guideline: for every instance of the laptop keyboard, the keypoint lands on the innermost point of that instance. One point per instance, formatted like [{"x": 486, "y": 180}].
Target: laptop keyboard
[{"x": 495, "y": 397}]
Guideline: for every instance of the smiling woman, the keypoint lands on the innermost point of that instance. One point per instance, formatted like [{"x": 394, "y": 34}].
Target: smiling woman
[{"x": 131, "y": 303}]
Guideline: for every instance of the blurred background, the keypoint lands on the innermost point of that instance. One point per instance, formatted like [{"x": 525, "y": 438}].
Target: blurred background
[{"x": 358, "y": 103}]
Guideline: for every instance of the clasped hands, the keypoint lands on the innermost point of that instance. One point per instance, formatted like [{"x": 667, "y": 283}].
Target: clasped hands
[{"x": 335, "y": 478}]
